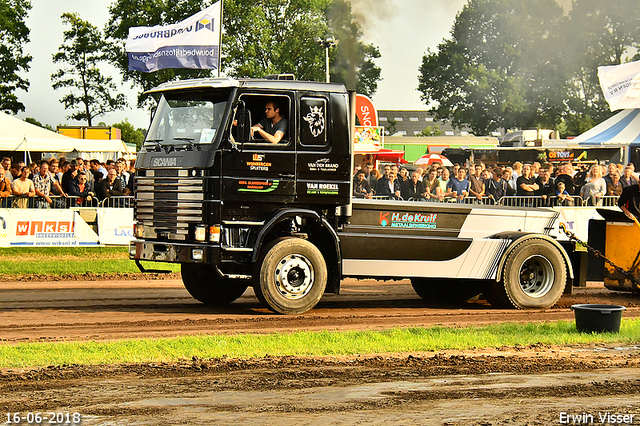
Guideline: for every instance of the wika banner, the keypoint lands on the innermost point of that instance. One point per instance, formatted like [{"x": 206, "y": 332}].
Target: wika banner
[
  {"x": 193, "y": 43},
  {"x": 621, "y": 85}
]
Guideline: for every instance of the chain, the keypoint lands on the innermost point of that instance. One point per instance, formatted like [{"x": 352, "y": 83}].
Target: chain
[{"x": 598, "y": 253}]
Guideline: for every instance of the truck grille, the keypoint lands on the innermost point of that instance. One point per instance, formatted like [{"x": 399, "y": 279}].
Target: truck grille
[{"x": 168, "y": 201}]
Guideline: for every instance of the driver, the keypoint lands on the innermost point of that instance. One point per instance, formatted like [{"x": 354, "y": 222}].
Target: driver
[{"x": 273, "y": 127}]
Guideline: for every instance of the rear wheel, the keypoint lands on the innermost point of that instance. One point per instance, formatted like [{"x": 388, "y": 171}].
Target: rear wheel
[
  {"x": 293, "y": 276},
  {"x": 534, "y": 276},
  {"x": 204, "y": 284}
]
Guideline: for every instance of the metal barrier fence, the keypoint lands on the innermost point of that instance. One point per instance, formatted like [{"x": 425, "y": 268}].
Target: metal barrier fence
[
  {"x": 119, "y": 202},
  {"x": 59, "y": 202},
  {"x": 517, "y": 201}
]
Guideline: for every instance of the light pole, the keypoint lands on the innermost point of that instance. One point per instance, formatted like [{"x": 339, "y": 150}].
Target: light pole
[{"x": 329, "y": 41}]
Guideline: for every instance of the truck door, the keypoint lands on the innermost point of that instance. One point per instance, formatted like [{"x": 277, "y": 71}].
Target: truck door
[
  {"x": 323, "y": 175},
  {"x": 259, "y": 170}
]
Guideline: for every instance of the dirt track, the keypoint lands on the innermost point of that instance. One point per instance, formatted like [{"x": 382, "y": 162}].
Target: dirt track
[
  {"x": 98, "y": 310},
  {"x": 523, "y": 386}
]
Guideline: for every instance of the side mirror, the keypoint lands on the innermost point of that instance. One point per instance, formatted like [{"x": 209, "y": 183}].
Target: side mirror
[{"x": 243, "y": 125}]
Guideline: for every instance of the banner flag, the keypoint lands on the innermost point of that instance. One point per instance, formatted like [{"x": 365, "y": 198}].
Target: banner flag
[
  {"x": 366, "y": 111},
  {"x": 621, "y": 85},
  {"x": 193, "y": 43}
]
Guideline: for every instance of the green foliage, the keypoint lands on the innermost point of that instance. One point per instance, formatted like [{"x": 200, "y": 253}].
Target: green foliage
[
  {"x": 14, "y": 34},
  {"x": 270, "y": 37},
  {"x": 526, "y": 64},
  {"x": 130, "y": 134},
  {"x": 495, "y": 71},
  {"x": 594, "y": 34},
  {"x": 431, "y": 131},
  {"x": 353, "y": 64},
  {"x": 306, "y": 343},
  {"x": 35, "y": 122},
  {"x": 83, "y": 49}
]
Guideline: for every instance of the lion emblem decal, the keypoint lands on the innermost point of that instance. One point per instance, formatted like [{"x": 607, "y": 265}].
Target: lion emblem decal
[{"x": 315, "y": 118}]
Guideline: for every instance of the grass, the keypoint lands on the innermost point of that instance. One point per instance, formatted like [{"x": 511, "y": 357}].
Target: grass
[
  {"x": 72, "y": 261},
  {"x": 305, "y": 343}
]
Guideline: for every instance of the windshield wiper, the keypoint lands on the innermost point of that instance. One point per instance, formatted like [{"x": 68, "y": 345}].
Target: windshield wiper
[
  {"x": 192, "y": 146},
  {"x": 157, "y": 142}
]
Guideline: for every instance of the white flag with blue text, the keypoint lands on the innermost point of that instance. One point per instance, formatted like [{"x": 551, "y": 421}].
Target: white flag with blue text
[
  {"x": 621, "y": 85},
  {"x": 193, "y": 43}
]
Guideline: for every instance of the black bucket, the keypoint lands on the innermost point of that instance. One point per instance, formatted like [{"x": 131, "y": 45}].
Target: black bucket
[{"x": 598, "y": 318}]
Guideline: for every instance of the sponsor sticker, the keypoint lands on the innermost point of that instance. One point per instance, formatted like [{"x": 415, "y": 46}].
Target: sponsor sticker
[
  {"x": 258, "y": 185},
  {"x": 323, "y": 188},
  {"x": 408, "y": 220},
  {"x": 257, "y": 163},
  {"x": 323, "y": 165}
]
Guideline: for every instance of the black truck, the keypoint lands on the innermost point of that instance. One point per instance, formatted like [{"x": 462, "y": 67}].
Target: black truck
[{"x": 237, "y": 211}]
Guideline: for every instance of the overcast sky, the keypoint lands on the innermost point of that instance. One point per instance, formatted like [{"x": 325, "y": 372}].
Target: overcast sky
[{"x": 403, "y": 30}]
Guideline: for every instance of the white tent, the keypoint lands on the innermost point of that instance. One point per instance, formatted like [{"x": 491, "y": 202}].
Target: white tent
[
  {"x": 622, "y": 128},
  {"x": 18, "y": 135}
]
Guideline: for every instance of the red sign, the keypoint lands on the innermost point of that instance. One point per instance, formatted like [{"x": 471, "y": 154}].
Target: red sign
[
  {"x": 365, "y": 111},
  {"x": 43, "y": 227}
]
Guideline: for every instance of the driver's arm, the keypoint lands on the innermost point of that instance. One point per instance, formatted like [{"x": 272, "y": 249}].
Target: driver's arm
[{"x": 269, "y": 137}]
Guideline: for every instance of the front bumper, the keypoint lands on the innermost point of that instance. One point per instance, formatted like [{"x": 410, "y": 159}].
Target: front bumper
[{"x": 172, "y": 252}]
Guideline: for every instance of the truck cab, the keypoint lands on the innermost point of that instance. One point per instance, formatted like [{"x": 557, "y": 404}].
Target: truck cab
[{"x": 210, "y": 195}]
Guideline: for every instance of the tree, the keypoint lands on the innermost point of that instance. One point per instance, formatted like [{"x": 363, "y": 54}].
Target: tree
[
  {"x": 595, "y": 33},
  {"x": 14, "y": 34},
  {"x": 260, "y": 37},
  {"x": 35, "y": 122},
  {"x": 499, "y": 69},
  {"x": 129, "y": 133},
  {"x": 354, "y": 61},
  {"x": 83, "y": 49},
  {"x": 431, "y": 131}
]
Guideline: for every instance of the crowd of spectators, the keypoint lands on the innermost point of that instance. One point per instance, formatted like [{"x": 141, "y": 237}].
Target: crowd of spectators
[
  {"x": 60, "y": 183},
  {"x": 545, "y": 184}
]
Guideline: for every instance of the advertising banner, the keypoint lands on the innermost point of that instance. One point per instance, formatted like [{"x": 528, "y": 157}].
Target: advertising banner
[
  {"x": 44, "y": 227},
  {"x": 366, "y": 111},
  {"x": 193, "y": 43},
  {"x": 115, "y": 225},
  {"x": 621, "y": 85}
]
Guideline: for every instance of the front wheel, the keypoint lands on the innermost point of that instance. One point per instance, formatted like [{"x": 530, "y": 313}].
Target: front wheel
[
  {"x": 204, "y": 284},
  {"x": 534, "y": 276},
  {"x": 293, "y": 276}
]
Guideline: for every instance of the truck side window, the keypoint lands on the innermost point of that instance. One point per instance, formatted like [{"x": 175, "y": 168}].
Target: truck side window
[
  {"x": 313, "y": 122},
  {"x": 270, "y": 113}
]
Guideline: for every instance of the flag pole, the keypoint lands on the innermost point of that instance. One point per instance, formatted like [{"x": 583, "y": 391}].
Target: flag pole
[{"x": 220, "y": 38}]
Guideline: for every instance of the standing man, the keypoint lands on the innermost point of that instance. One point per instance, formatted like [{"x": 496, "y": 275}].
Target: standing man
[
  {"x": 274, "y": 126},
  {"x": 43, "y": 182},
  {"x": 527, "y": 185}
]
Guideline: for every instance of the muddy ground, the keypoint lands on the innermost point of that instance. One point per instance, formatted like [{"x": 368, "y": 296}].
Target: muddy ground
[{"x": 538, "y": 385}]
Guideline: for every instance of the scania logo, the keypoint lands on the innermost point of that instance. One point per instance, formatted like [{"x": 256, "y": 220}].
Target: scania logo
[{"x": 164, "y": 162}]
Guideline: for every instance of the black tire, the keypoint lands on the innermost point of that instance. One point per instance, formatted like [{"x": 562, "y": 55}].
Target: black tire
[
  {"x": 534, "y": 277},
  {"x": 204, "y": 284},
  {"x": 446, "y": 291},
  {"x": 292, "y": 277}
]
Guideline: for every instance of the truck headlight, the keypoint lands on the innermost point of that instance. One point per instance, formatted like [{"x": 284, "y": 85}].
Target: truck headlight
[
  {"x": 214, "y": 234},
  {"x": 200, "y": 233},
  {"x": 139, "y": 230}
]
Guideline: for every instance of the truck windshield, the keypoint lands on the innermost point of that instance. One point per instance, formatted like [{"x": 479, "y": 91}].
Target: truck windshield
[{"x": 186, "y": 121}]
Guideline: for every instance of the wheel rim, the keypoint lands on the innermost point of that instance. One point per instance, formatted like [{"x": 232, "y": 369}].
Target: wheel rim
[
  {"x": 536, "y": 276},
  {"x": 294, "y": 276}
]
